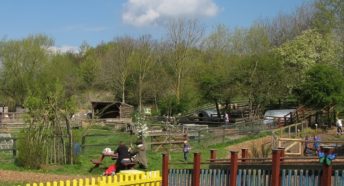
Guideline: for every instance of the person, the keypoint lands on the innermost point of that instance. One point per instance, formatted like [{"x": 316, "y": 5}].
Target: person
[
  {"x": 317, "y": 144},
  {"x": 226, "y": 119},
  {"x": 339, "y": 125},
  {"x": 186, "y": 150},
  {"x": 307, "y": 150},
  {"x": 123, "y": 158},
  {"x": 140, "y": 155}
]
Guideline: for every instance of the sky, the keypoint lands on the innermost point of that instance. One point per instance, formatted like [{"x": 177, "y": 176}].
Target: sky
[{"x": 72, "y": 22}]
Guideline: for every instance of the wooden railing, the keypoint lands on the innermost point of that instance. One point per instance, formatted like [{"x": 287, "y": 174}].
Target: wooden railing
[
  {"x": 152, "y": 178},
  {"x": 287, "y": 131},
  {"x": 277, "y": 170}
]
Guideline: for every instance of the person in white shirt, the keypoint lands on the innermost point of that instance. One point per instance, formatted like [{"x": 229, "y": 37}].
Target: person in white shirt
[{"x": 339, "y": 125}]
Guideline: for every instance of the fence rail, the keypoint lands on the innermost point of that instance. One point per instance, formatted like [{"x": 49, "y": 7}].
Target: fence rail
[
  {"x": 276, "y": 171},
  {"x": 152, "y": 178}
]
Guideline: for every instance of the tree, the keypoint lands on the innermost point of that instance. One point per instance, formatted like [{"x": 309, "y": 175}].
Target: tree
[
  {"x": 115, "y": 67},
  {"x": 143, "y": 60},
  {"x": 329, "y": 15},
  {"x": 303, "y": 52},
  {"x": 262, "y": 79},
  {"x": 48, "y": 117},
  {"x": 22, "y": 62},
  {"x": 324, "y": 85},
  {"x": 183, "y": 35},
  {"x": 215, "y": 73}
]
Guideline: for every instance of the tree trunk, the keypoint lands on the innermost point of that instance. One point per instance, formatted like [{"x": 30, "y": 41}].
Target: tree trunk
[
  {"x": 70, "y": 141},
  {"x": 123, "y": 92}
]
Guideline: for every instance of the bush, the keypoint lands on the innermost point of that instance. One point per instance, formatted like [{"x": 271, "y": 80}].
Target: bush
[{"x": 31, "y": 152}]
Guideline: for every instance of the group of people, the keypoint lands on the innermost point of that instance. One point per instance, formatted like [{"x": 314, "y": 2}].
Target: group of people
[{"x": 126, "y": 157}]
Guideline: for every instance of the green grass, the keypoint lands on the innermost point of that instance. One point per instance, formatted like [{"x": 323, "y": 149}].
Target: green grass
[{"x": 113, "y": 138}]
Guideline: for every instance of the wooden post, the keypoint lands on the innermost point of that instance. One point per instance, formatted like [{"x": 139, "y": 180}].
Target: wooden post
[
  {"x": 14, "y": 147},
  {"x": 233, "y": 168},
  {"x": 285, "y": 120},
  {"x": 244, "y": 154},
  {"x": 276, "y": 166},
  {"x": 328, "y": 118},
  {"x": 326, "y": 169},
  {"x": 291, "y": 117},
  {"x": 282, "y": 153},
  {"x": 83, "y": 141},
  {"x": 196, "y": 169},
  {"x": 164, "y": 169},
  {"x": 212, "y": 155}
]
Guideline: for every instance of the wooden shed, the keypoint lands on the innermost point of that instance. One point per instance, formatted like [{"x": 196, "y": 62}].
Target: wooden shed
[{"x": 103, "y": 109}]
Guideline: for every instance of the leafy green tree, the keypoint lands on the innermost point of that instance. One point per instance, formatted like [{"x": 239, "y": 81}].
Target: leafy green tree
[
  {"x": 303, "y": 52},
  {"x": 329, "y": 15},
  {"x": 262, "y": 79},
  {"x": 323, "y": 85},
  {"x": 21, "y": 64}
]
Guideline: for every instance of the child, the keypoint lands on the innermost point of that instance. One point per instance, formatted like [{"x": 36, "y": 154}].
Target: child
[{"x": 186, "y": 150}]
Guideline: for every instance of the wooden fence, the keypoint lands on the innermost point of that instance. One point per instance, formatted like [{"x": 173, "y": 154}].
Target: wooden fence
[
  {"x": 275, "y": 171},
  {"x": 152, "y": 178}
]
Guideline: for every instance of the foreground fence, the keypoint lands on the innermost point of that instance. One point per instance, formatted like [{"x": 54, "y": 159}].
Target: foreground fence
[
  {"x": 152, "y": 178},
  {"x": 276, "y": 171}
]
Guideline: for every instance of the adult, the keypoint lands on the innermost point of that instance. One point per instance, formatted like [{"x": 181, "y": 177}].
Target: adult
[
  {"x": 123, "y": 158},
  {"x": 140, "y": 155},
  {"x": 226, "y": 119},
  {"x": 339, "y": 125}
]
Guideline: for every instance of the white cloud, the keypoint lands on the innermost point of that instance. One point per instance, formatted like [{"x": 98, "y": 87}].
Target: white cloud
[
  {"x": 147, "y": 12},
  {"x": 64, "y": 49}
]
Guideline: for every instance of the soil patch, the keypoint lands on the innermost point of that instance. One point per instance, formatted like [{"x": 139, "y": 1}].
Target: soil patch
[{"x": 30, "y": 177}]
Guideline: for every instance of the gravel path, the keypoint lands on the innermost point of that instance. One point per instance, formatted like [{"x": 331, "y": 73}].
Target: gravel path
[{"x": 30, "y": 177}]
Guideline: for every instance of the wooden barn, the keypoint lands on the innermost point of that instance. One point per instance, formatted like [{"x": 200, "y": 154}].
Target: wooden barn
[{"x": 104, "y": 110}]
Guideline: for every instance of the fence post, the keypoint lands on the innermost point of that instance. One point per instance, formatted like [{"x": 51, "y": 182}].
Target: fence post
[
  {"x": 14, "y": 147},
  {"x": 282, "y": 153},
  {"x": 83, "y": 141},
  {"x": 244, "y": 154},
  {"x": 234, "y": 168},
  {"x": 196, "y": 169},
  {"x": 212, "y": 155},
  {"x": 326, "y": 169},
  {"x": 164, "y": 169},
  {"x": 276, "y": 166}
]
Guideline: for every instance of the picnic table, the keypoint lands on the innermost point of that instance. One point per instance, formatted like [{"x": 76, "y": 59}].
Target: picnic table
[{"x": 99, "y": 161}]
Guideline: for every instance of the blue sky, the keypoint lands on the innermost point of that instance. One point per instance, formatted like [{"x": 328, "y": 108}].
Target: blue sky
[{"x": 71, "y": 22}]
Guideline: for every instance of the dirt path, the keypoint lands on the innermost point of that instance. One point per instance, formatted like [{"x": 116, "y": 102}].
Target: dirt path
[
  {"x": 249, "y": 144},
  {"x": 30, "y": 177}
]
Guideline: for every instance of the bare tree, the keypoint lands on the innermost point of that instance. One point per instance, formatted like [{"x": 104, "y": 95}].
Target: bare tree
[
  {"x": 143, "y": 60},
  {"x": 116, "y": 66},
  {"x": 182, "y": 36}
]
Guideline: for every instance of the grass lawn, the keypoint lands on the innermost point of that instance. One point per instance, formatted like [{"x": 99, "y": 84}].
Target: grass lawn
[{"x": 112, "y": 139}]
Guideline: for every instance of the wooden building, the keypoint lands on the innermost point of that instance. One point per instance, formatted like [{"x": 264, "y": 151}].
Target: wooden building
[{"x": 104, "y": 110}]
